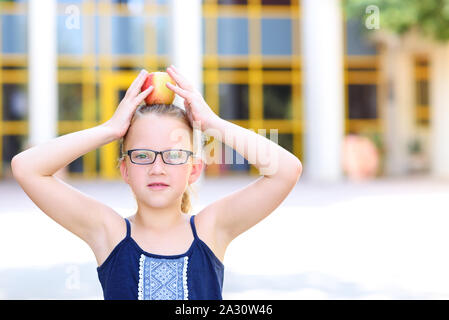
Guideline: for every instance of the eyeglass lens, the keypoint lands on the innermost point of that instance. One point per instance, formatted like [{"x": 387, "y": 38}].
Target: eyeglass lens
[{"x": 170, "y": 156}]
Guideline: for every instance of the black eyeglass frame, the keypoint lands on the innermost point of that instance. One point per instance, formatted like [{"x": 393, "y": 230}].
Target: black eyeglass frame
[{"x": 189, "y": 153}]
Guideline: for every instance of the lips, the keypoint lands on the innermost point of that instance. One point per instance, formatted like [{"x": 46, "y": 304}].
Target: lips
[{"x": 155, "y": 184}]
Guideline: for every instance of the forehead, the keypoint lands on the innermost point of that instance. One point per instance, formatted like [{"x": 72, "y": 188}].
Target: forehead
[{"x": 158, "y": 132}]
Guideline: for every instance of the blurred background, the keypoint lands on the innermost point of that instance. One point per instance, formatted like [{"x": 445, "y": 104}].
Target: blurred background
[{"x": 356, "y": 89}]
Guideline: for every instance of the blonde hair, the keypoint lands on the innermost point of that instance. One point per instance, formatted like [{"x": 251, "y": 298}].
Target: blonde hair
[{"x": 169, "y": 110}]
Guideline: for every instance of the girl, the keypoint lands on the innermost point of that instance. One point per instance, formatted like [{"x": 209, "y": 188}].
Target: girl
[{"x": 161, "y": 252}]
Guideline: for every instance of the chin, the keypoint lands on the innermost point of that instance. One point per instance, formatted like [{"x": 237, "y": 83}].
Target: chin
[{"x": 156, "y": 202}]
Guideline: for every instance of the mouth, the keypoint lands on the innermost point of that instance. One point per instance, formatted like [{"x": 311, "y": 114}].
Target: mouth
[{"x": 157, "y": 186}]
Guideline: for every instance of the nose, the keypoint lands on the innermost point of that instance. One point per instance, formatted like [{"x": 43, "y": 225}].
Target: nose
[{"x": 157, "y": 166}]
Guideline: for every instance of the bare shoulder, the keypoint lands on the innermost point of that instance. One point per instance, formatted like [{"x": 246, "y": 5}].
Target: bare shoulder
[
  {"x": 114, "y": 232},
  {"x": 206, "y": 228}
]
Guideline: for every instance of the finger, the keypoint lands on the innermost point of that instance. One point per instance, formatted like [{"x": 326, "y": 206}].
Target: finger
[
  {"x": 138, "y": 84},
  {"x": 180, "y": 80},
  {"x": 131, "y": 92},
  {"x": 135, "y": 86},
  {"x": 181, "y": 92},
  {"x": 141, "y": 96}
]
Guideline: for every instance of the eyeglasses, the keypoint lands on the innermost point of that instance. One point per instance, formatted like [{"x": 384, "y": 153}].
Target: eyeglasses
[{"x": 147, "y": 156}]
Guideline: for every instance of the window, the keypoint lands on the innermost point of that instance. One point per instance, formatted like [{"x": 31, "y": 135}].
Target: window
[
  {"x": 162, "y": 35},
  {"x": 422, "y": 102},
  {"x": 244, "y": 2},
  {"x": 127, "y": 35},
  {"x": 15, "y": 102},
  {"x": 77, "y": 165},
  {"x": 356, "y": 41},
  {"x": 277, "y": 101},
  {"x": 362, "y": 101},
  {"x": 69, "y": 103},
  {"x": 12, "y": 145},
  {"x": 70, "y": 40},
  {"x": 234, "y": 101},
  {"x": 276, "y": 36},
  {"x": 97, "y": 102},
  {"x": 233, "y": 36},
  {"x": 422, "y": 92},
  {"x": 285, "y": 140},
  {"x": 276, "y": 2},
  {"x": 97, "y": 29},
  {"x": 14, "y": 33}
]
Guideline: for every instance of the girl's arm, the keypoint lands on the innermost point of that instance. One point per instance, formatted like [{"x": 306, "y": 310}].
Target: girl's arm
[
  {"x": 272, "y": 160},
  {"x": 47, "y": 158},
  {"x": 244, "y": 208},
  {"x": 239, "y": 211},
  {"x": 79, "y": 213}
]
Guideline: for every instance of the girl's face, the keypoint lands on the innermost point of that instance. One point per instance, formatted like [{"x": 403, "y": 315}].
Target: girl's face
[{"x": 159, "y": 133}]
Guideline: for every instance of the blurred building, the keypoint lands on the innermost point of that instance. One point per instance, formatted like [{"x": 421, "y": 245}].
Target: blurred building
[{"x": 251, "y": 73}]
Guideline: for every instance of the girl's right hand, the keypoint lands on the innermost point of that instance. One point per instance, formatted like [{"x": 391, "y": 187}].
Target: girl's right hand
[{"x": 121, "y": 119}]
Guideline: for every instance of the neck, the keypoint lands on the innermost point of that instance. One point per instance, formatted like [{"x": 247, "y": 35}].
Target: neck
[{"x": 158, "y": 219}]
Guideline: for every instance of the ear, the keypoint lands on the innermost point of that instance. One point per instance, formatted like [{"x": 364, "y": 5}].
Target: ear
[
  {"x": 197, "y": 168},
  {"x": 124, "y": 171}
]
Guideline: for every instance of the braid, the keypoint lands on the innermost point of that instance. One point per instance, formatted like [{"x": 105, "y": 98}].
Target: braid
[{"x": 186, "y": 206}]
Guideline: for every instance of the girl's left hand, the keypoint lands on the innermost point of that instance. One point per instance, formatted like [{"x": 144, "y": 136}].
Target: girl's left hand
[{"x": 196, "y": 107}]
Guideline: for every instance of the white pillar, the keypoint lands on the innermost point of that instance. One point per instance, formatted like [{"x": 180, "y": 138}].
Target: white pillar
[
  {"x": 439, "y": 111},
  {"x": 186, "y": 40},
  {"x": 185, "y": 34},
  {"x": 322, "y": 43},
  {"x": 42, "y": 64},
  {"x": 398, "y": 115}
]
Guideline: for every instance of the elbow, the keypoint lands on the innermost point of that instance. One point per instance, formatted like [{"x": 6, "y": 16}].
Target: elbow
[
  {"x": 298, "y": 170},
  {"x": 289, "y": 171},
  {"x": 16, "y": 167},
  {"x": 292, "y": 172}
]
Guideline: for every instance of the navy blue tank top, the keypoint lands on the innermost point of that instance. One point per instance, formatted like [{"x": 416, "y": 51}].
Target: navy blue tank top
[{"x": 130, "y": 273}]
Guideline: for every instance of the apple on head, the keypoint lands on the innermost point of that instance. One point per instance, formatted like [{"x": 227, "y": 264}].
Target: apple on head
[{"x": 160, "y": 93}]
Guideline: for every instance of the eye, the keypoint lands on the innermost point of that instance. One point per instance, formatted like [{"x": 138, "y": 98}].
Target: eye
[
  {"x": 175, "y": 154},
  {"x": 142, "y": 155}
]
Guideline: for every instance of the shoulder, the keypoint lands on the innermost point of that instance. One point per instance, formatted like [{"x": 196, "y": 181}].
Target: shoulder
[
  {"x": 207, "y": 231},
  {"x": 114, "y": 231},
  {"x": 204, "y": 222}
]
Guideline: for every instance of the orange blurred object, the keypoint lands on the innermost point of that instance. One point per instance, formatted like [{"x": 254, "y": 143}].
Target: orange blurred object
[{"x": 360, "y": 158}]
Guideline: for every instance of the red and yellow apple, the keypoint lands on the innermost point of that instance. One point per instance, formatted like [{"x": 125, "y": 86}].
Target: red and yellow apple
[{"x": 160, "y": 93}]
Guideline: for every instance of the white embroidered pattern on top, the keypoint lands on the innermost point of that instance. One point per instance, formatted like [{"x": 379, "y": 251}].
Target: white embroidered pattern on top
[{"x": 163, "y": 279}]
